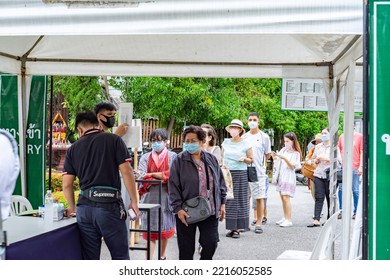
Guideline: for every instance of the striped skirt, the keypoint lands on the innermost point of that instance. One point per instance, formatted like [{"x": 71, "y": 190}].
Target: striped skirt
[
  {"x": 168, "y": 218},
  {"x": 237, "y": 209}
]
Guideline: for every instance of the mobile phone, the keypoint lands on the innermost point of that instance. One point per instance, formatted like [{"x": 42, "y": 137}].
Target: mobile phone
[{"x": 132, "y": 214}]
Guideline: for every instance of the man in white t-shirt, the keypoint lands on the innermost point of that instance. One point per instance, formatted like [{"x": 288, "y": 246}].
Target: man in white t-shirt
[
  {"x": 9, "y": 171},
  {"x": 261, "y": 146}
]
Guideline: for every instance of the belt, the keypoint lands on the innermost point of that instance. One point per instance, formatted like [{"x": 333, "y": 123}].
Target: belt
[{"x": 101, "y": 193}]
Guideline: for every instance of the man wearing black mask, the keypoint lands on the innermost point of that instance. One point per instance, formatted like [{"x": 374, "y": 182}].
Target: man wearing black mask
[
  {"x": 96, "y": 159},
  {"x": 105, "y": 113}
]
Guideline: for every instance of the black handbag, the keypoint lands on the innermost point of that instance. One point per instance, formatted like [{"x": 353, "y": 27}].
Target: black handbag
[
  {"x": 252, "y": 173},
  {"x": 339, "y": 174},
  {"x": 198, "y": 208}
]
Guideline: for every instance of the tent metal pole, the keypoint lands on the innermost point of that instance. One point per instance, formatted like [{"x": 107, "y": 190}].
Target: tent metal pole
[
  {"x": 22, "y": 127},
  {"x": 365, "y": 184},
  {"x": 333, "y": 99},
  {"x": 347, "y": 160},
  {"x": 51, "y": 131}
]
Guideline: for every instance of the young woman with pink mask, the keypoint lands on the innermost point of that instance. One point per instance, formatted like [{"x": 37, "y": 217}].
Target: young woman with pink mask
[
  {"x": 236, "y": 155},
  {"x": 290, "y": 157}
]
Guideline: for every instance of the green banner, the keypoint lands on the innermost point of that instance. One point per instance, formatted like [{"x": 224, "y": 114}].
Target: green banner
[
  {"x": 36, "y": 141},
  {"x": 35, "y": 131},
  {"x": 379, "y": 131}
]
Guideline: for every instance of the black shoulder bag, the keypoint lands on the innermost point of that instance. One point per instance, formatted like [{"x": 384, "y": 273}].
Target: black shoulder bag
[{"x": 198, "y": 208}]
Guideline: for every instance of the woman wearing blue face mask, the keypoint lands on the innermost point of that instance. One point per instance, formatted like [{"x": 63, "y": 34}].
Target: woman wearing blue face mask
[
  {"x": 321, "y": 157},
  {"x": 237, "y": 154},
  {"x": 155, "y": 165},
  {"x": 196, "y": 172}
]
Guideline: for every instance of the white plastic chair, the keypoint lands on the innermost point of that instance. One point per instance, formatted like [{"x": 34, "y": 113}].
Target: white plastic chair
[
  {"x": 322, "y": 249},
  {"x": 19, "y": 204}
]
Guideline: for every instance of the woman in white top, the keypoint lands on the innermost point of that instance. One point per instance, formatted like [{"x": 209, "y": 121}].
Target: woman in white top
[
  {"x": 290, "y": 157},
  {"x": 321, "y": 157}
]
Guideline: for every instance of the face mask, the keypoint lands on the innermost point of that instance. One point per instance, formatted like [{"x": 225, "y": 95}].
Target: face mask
[
  {"x": 234, "y": 132},
  {"x": 253, "y": 124},
  {"x": 158, "y": 146},
  {"x": 288, "y": 145},
  {"x": 325, "y": 137},
  {"x": 191, "y": 147},
  {"x": 110, "y": 121}
]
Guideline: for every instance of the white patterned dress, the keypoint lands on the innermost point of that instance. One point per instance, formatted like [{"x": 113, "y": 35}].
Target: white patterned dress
[{"x": 287, "y": 181}]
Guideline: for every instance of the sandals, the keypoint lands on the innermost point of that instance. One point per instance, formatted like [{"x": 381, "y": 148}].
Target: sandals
[
  {"x": 258, "y": 229},
  {"x": 233, "y": 234},
  {"x": 264, "y": 221},
  {"x": 254, "y": 222},
  {"x": 314, "y": 224}
]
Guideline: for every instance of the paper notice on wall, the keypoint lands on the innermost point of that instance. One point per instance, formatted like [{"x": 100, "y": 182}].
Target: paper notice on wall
[
  {"x": 309, "y": 95},
  {"x": 125, "y": 113}
]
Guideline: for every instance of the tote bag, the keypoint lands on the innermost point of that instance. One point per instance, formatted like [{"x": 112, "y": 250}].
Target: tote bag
[
  {"x": 229, "y": 182},
  {"x": 252, "y": 173}
]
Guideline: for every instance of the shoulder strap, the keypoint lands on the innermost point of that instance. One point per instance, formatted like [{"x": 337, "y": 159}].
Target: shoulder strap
[{"x": 207, "y": 176}]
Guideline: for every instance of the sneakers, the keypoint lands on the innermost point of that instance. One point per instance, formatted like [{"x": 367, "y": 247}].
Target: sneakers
[
  {"x": 353, "y": 216},
  {"x": 280, "y": 221},
  {"x": 286, "y": 223},
  {"x": 340, "y": 216}
]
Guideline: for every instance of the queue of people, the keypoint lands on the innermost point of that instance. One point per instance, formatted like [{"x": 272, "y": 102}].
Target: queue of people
[{"x": 99, "y": 158}]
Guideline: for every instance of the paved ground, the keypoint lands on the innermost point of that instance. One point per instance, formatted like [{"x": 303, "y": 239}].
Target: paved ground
[{"x": 265, "y": 246}]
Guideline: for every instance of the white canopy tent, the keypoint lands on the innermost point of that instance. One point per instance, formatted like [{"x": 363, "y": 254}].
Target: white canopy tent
[{"x": 196, "y": 38}]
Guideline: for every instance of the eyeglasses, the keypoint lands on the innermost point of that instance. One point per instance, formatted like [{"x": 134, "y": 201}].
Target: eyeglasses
[{"x": 191, "y": 141}]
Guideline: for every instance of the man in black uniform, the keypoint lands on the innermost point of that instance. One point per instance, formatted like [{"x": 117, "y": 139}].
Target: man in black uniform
[
  {"x": 96, "y": 159},
  {"x": 105, "y": 112}
]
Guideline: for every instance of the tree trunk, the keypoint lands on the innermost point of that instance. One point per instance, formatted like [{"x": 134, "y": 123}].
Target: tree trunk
[{"x": 170, "y": 126}]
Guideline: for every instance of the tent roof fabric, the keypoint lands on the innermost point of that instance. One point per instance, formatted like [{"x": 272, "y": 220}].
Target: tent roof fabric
[{"x": 179, "y": 38}]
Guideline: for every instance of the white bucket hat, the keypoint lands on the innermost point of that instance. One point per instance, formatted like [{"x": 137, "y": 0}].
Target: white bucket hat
[{"x": 235, "y": 123}]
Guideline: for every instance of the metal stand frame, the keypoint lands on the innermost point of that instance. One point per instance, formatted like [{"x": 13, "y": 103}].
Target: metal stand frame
[{"x": 147, "y": 208}]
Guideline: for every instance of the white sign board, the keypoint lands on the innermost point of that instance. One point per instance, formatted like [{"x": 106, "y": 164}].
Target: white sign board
[
  {"x": 309, "y": 95},
  {"x": 125, "y": 113}
]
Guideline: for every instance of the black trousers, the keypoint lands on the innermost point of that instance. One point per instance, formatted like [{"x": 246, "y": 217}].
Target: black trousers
[
  {"x": 208, "y": 238},
  {"x": 321, "y": 193}
]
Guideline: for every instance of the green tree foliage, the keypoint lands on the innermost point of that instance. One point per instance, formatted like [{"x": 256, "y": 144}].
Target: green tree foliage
[
  {"x": 217, "y": 101},
  {"x": 195, "y": 101},
  {"x": 80, "y": 93}
]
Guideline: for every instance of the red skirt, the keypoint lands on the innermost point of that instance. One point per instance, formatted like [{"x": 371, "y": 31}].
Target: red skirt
[{"x": 166, "y": 234}]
